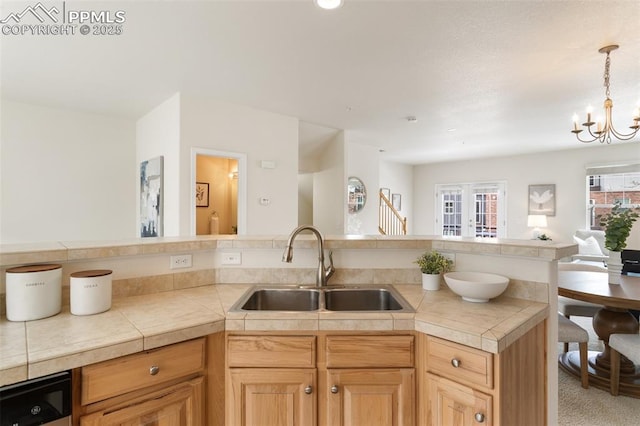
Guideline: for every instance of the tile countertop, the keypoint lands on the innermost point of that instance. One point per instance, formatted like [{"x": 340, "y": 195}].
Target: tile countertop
[{"x": 37, "y": 348}]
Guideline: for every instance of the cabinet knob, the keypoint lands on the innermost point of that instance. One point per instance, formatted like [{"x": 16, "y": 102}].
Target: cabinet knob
[
  {"x": 334, "y": 389},
  {"x": 479, "y": 417},
  {"x": 456, "y": 362},
  {"x": 154, "y": 370},
  {"x": 308, "y": 390}
]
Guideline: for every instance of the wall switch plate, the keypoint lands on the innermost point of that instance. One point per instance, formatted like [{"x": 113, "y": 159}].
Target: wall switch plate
[
  {"x": 232, "y": 258},
  {"x": 180, "y": 261}
]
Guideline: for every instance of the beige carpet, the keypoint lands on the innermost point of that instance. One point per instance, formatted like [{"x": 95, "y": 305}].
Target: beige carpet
[{"x": 592, "y": 407}]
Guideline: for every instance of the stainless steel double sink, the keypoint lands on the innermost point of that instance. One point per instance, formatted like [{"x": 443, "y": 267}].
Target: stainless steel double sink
[{"x": 378, "y": 298}]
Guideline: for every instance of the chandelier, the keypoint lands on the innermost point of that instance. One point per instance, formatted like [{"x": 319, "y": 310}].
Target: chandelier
[{"x": 604, "y": 131}]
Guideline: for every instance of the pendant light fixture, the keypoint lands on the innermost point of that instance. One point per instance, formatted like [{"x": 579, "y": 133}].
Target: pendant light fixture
[{"x": 604, "y": 132}]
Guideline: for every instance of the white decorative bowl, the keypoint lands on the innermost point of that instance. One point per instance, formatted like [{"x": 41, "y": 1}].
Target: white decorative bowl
[{"x": 476, "y": 287}]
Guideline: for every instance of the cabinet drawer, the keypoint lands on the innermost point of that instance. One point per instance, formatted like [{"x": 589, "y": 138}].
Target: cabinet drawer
[
  {"x": 271, "y": 351},
  {"x": 369, "y": 351},
  {"x": 178, "y": 404},
  {"x": 459, "y": 362},
  {"x": 137, "y": 371}
]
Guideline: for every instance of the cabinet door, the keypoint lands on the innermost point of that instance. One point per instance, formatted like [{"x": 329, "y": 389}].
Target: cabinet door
[
  {"x": 372, "y": 397},
  {"x": 453, "y": 404},
  {"x": 178, "y": 405},
  {"x": 273, "y": 397}
]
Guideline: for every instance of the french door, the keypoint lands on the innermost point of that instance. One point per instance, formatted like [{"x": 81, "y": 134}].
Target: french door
[{"x": 471, "y": 210}]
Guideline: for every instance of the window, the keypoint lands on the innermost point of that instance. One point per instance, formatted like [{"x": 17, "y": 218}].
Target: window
[
  {"x": 471, "y": 210},
  {"x": 451, "y": 217},
  {"x": 486, "y": 214},
  {"x": 608, "y": 185}
]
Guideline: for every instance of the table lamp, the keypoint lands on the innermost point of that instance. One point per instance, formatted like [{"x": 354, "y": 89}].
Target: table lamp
[{"x": 536, "y": 221}]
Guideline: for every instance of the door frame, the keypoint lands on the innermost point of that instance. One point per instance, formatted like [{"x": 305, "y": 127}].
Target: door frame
[
  {"x": 242, "y": 185},
  {"x": 468, "y": 205}
]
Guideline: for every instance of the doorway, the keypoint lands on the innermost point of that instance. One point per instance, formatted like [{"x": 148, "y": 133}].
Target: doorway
[
  {"x": 219, "y": 185},
  {"x": 471, "y": 210}
]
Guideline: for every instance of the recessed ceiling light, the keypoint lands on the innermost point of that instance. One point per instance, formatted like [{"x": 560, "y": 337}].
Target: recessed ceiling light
[{"x": 328, "y": 4}]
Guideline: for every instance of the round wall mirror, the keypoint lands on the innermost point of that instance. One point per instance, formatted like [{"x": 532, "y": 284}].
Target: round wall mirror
[{"x": 356, "y": 195}]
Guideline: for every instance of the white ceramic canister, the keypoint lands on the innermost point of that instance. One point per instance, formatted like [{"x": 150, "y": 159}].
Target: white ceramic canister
[
  {"x": 33, "y": 292},
  {"x": 90, "y": 291}
]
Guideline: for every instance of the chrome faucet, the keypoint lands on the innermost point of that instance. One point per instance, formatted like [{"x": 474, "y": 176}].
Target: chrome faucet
[{"x": 323, "y": 274}]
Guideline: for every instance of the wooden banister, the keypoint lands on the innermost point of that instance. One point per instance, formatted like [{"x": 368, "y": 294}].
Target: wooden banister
[{"x": 390, "y": 222}]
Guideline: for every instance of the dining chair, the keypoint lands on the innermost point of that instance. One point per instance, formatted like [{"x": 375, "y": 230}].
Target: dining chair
[
  {"x": 569, "y": 331},
  {"x": 627, "y": 345},
  {"x": 572, "y": 307}
]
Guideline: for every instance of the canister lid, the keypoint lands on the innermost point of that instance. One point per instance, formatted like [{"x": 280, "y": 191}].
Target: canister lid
[
  {"x": 33, "y": 268},
  {"x": 92, "y": 273}
]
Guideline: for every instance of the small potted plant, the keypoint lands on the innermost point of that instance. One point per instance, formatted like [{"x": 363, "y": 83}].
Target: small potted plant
[
  {"x": 617, "y": 224},
  {"x": 432, "y": 265}
]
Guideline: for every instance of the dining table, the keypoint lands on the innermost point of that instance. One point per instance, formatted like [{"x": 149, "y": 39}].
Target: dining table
[{"x": 614, "y": 317}]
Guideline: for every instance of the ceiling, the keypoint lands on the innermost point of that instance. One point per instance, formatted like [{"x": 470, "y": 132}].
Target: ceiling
[{"x": 506, "y": 75}]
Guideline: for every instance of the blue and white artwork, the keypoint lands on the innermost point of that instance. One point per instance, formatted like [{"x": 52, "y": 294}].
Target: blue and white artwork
[{"x": 151, "y": 198}]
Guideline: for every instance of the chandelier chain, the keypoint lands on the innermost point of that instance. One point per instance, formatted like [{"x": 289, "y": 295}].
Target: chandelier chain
[{"x": 606, "y": 75}]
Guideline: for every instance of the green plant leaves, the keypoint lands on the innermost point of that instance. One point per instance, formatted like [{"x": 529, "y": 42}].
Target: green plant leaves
[
  {"x": 433, "y": 263},
  {"x": 618, "y": 224}
]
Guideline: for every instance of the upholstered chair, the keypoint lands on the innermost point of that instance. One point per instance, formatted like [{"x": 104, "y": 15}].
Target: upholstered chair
[
  {"x": 572, "y": 307},
  {"x": 627, "y": 345},
  {"x": 569, "y": 331}
]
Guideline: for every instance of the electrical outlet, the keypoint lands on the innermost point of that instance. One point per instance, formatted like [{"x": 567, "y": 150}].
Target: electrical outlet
[
  {"x": 232, "y": 258},
  {"x": 180, "y": 261}
]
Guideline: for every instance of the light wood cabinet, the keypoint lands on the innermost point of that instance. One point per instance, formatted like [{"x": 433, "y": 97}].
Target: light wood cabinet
[
  {"x": 125, "y": 374},
  {"x": 273, "y": 397},
  {"x": 461, "y": 385},
  {"x": 320, "y": 379},
  {"x": 178, "y": 405},
  {"x": 453, "y": 404},
  {"x": 271, "y": 351},
  {"x": 370, "y": 380},
  {"x": 370, "y": 397},
  {"x": 271, "y": 380},
  {"x": 161, "y": 387}
]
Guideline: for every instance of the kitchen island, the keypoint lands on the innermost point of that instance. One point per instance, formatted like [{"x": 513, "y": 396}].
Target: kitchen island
[{"x": 153, "y": 310}]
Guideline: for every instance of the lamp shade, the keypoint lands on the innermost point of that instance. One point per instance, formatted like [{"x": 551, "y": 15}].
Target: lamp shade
[{"x": 537, "y": 221}]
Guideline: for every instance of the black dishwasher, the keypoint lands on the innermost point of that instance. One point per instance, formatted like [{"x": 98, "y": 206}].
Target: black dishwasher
[{"x": 42, "y": 401}]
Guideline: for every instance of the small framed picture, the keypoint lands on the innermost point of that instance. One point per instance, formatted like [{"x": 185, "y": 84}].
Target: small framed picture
[
  {"x": 542, "y": 199},
  {"x": 396, "y": 201},
  {"x": 202, "y": 194},
  {"x": 386, "y": 192}
]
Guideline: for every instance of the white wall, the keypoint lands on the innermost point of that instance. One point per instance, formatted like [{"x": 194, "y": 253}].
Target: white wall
[
  {"x": 565, "y": 169},
  {"x": 330, "y": 189},
  {"x": 399, "y": 179},
  {"x": 262, "y": 136},
  {"x": 158, "y": 133},
  {"x": 305, "y": 198},
  {"x": 65, "y": 174},
  {"x": 363, "y": 162}
]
